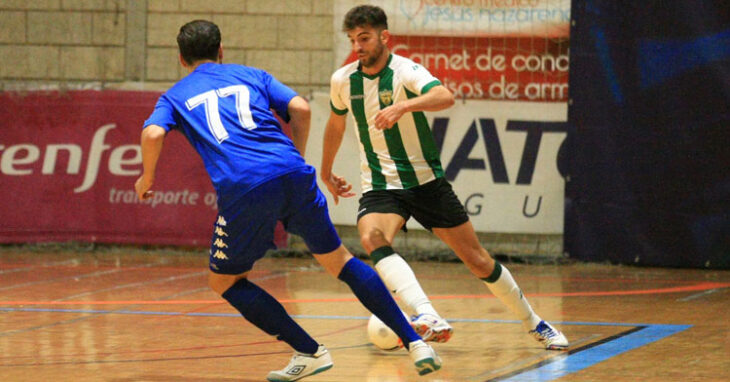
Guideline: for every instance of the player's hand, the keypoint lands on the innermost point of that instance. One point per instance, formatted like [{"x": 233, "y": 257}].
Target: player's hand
[
  {"x": 388, "y": 117},
  {"x": 142, "y": 188},
  {"x": 338, "y": 186}
]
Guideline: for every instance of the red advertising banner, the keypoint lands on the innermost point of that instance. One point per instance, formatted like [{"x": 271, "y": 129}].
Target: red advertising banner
[
  {"x": 500, "y": 68},
  {"x": 68, "y": 162}
]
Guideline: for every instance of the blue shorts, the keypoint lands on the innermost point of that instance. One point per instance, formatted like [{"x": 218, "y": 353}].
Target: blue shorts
[{"x": 244, "y": 231}]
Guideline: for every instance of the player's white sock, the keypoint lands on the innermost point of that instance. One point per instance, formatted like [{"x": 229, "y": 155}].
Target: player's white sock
[
  {"x": 400, "y": 279},
  {"x": 504, "y": 287}
]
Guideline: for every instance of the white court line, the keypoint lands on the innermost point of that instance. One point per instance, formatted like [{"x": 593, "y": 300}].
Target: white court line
[
  {"x": 73, "y": 277},
  {"x": 698, "y": 295},
  {"x": 45, "y": 265},
  {"x": 136, "y": 284}
]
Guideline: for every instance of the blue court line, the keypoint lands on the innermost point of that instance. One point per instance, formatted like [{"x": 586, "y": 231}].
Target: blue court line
[
  {"x": 550, "y": 369},
  {"x": 580, "y": 359}
]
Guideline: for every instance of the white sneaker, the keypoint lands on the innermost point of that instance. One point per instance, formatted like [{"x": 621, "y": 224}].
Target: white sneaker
[
  {"x": 432, "y": 328},
  {"x": 303, "y": 365},
  {"x": 424, "y": 357},
  {"x": 552, "y": 338}
]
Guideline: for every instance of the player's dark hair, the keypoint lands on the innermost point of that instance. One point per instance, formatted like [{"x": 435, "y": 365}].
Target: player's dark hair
[
  {"x": 199, "y": 40},
  {"x": 365, "y": 15}
]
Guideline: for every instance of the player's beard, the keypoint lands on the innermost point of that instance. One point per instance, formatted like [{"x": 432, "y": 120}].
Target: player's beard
[{"x": 371, "y": 59}]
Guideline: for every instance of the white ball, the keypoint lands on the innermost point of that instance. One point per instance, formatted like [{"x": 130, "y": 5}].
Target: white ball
[{"x": 381, "y": 335}]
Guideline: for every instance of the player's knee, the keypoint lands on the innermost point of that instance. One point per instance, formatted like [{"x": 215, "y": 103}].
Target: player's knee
[
  {"x": 334, "y": 261},
  {"x": 220, "y": 283},
  {"x": 373, "y": 239},
  {"x": 216, "y": 285},
  {"x": 478, "y": 260}
]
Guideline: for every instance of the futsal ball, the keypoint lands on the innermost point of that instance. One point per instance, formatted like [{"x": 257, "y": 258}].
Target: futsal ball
[{"x": 381, "y": 335}]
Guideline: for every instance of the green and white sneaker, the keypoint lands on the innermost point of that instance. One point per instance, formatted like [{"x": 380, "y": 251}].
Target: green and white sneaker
[
  {"x": 303, "y": 365},
  {"x": 424, "y": 357},
  {"x": 552, "y": 338}
]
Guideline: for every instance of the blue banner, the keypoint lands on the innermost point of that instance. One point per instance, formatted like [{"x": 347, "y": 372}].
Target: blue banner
[{"x": 648, "y": 148}]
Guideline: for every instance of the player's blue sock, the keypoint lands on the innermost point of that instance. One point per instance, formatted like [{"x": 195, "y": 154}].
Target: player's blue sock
[
  {"x": 373, "y": 294},
  {"x": 262, "y": 310}
]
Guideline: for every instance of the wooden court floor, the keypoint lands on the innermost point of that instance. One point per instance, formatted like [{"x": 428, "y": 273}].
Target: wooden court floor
[{"x": 150, "y": 317}]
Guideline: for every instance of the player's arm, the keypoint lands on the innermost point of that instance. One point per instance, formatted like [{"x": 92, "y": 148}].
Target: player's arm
[
  {"x": 299, "y": 121},
  {"x": 437, "y": 98},
  {"x": 333, "y": 134},
  {"x": 152, "y": 139}
]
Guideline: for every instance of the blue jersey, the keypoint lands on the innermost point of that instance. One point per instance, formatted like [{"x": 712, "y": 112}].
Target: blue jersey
[{"x": 225, "y": 113}]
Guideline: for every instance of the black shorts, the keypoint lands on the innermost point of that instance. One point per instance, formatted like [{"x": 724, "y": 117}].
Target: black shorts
[{"x": 433, "y": 204}]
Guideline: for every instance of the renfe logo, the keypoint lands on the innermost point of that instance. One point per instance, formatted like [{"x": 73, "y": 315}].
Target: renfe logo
[{"x": 124, "y": 160}]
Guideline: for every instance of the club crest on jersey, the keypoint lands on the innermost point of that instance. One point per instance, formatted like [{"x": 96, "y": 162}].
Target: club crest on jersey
[{"x": 386, "y": 97}]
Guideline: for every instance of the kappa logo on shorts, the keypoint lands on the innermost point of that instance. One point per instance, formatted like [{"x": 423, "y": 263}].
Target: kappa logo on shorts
[
  {"x": 221, "y": 221},
  {"x": 220, "y": 232},
  {"x": 220, "y": 244},
  {"x": 220, "y": 255}
]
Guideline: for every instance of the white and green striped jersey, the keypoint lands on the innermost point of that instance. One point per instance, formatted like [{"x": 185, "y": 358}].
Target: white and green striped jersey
[{"x": 404, "y": 156}]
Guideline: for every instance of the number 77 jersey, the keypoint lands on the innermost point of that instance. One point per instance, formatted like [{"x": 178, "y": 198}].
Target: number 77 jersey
[{"x": 225, "y": 112}]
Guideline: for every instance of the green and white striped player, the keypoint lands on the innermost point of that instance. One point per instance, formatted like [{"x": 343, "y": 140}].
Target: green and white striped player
[
  {"x": 402, "y": 155},
  {"x": 402, "y": 176}
]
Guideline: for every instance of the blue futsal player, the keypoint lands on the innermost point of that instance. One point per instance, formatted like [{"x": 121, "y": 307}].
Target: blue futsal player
[{"x": 260, "y": 178}]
